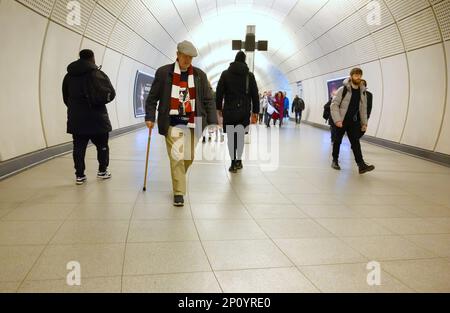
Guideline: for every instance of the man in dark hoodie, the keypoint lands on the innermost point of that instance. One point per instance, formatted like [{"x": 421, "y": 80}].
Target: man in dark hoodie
[
  {"x": 238, "y": 87},
  {"x": 87, "y": 120}
]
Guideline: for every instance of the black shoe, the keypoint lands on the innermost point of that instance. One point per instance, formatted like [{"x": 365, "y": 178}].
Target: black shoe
[
  {"x": 204, "y": 139},
  {"x": 233, "y": 168},
  {"x": 239, "y": 165},
  {"x": 178, "y": 200},
  {"x": 335, "y": 165},
  {"x": 81, "y": 180},
  {"x": 364, "y": 168}
]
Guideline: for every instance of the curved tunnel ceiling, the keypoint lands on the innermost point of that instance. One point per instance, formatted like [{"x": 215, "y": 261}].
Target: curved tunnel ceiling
[{"x": 312, "y": 41}]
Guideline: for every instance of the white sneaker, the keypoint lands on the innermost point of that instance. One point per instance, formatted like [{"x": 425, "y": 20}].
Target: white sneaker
[
  {"x": 81, "y": 180},
  {"x": 104, "y": 175}
]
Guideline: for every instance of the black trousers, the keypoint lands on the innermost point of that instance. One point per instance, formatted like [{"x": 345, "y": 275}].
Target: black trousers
[
  {"x": 353, "y": 130},
  {"x": 236, "y": 142},
  {"x": 80, "y": 143},
  {"x": 298, "y": 117}
]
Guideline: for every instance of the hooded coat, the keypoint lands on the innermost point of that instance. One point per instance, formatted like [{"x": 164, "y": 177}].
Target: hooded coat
[
  {"x": 232, "y": 88},
  {"x": 83, "y": 119},
  {"x": 340, "y": 106}
]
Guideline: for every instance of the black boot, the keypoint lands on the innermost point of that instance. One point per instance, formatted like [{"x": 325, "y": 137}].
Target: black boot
[
  {"x": 335, "y": 165},
  {"x": 239, "y": 165},
  {"x": 233, "y": 168},
  {"x": 364, "y": 167}
]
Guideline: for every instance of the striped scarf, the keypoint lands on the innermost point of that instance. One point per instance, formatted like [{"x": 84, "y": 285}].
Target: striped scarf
[{"x": 176, "y": 98}]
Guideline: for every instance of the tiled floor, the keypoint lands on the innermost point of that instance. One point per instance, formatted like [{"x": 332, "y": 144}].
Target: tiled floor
[{"x": 301, "y": 228}]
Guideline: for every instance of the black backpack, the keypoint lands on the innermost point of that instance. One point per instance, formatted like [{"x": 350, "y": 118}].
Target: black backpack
[
  {"x": 98, "y": 88},
  {"x": 327, "y": 108}
]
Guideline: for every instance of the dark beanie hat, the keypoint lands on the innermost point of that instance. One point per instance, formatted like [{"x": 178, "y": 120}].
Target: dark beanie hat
[{"x": 240, "y": 57}]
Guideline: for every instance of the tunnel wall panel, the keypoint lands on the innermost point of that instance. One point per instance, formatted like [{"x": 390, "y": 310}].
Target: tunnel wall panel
[
  {"x": 395, "y": 97},
  {"x": 20, "y": 119},
  {"x": 427, "y": 79},
  {"x": 54, "y": 64}
]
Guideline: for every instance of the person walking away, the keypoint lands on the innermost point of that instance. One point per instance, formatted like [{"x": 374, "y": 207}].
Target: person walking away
[
  {"x": 86, "y": 91},
  {"x": 236, "y": 98}
]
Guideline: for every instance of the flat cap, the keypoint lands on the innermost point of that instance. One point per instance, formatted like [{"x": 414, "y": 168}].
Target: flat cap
[{"x": 186, "y": 47}]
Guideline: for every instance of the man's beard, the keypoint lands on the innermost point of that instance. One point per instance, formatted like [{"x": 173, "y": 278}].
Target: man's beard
[{"x": 356, "y": 82}]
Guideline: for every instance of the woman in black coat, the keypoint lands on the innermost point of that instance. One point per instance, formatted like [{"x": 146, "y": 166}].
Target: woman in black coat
[{"x": 237, "y": 86}]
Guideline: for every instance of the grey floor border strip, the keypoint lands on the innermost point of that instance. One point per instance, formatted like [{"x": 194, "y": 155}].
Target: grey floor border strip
[
  {"x": 436, "y": 157},
  {"x": 14, "y": 166}
]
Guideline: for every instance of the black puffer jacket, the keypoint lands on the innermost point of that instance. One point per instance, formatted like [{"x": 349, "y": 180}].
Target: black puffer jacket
[
  {"x": 81, "y": 118},
  {"x": 232, "y": 87}
]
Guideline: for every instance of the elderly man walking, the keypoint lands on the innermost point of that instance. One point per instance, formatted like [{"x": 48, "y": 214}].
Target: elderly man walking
[{"x": 185, "y": 103}]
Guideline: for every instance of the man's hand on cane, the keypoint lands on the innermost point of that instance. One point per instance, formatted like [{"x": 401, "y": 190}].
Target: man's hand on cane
[{"x": 150, "y": 124}]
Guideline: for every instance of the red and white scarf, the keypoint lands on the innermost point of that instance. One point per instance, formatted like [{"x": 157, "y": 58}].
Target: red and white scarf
[{"x": 176, "y": 99}]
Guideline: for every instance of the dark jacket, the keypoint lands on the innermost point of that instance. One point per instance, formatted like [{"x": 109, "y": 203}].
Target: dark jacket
[
  {"x": 298, "y": 105},
  {"x": 82, "y": 119},
  {"x": 161, "y": 91},
  {"x": 232, "y": 88}
]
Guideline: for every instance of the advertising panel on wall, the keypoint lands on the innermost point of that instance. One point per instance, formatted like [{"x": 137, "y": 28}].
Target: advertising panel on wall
[
  {"x": 142, "y": 85},
  {"x": 333, "y": 85}
]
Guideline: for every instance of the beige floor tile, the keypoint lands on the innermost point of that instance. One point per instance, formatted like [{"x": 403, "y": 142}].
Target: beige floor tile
[
  {"x": 214, "y": 211},
  {"x": 315, "y": 251},
  {"x": 329, "y": 211},
  {"x": 387, "y": 248},
  {"x": 147, "y": 211},
  {"x": 16, "y": 261},
  {"x": 293, "y": 228},
  {"x": 111, "y": 196},
  {"x": 353, "y": 227},
  {"x": 15, "y": 195},
  {"x": 244, "y": 254},
  {"x": 282, "y": 280},
  {"x": 427, "y": 210},
  {"x": 164, "y": 258},
  {"x": 96, "y": 260},
  {"x": 156, "y": 198},
  {"x": 323, "y": 199},
  {"x": 276, "y": 211},
  {"x": 202, "y": 282},
  {"x": 102, "y": 211},
  {"x": 374, "y": 211},
  {"x": 229, "y": 229},
  {"x": 88, "y": 285},
  {"x": 61, "y": 194},
  {"x": 350, "y": 278},
  {"x": 264, "y": 198},
  {"x": 27, "y": 232},
  {"x": 40, "y": 212},
  {"x": 9, "y": 287},
  {"x": 91, "y": 232},
  {"x": 412, "y": 226},
  {"x": 162, "y": 230},
  {"x": 431, "y": 275},
  {"x": 438, "y": 244}
]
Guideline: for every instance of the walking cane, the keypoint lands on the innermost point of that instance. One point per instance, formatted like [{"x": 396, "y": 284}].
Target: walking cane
[{"x": 146, "y": 159}]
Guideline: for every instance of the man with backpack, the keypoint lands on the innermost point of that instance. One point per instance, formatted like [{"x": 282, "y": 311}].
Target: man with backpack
[
  {"x": 298, "y": 105},
  {"x": 237, "y": 86},
  {"x": 86, "y": 91},
  {"x": 349, "y": 113}
]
